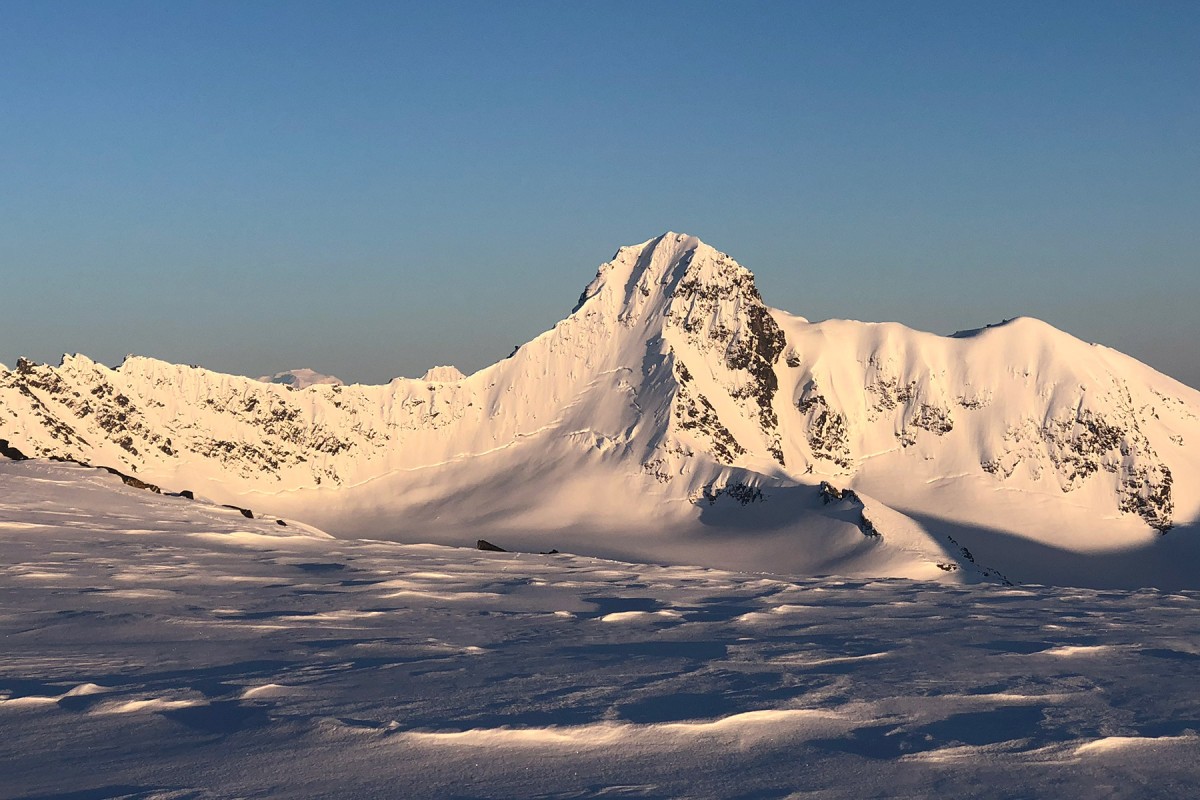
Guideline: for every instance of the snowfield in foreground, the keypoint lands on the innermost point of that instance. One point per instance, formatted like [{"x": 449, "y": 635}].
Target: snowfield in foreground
[{"x": 159, "y": 647}]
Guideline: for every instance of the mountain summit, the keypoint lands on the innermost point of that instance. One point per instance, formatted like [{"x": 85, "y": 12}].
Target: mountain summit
[{"x": 673, "y": 416}]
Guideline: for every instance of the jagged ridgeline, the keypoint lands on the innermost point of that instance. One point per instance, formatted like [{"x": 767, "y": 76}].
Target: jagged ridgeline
[{"x": 672, "y": 405}]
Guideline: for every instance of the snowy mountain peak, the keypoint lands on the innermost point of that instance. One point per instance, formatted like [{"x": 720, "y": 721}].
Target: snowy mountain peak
[
  {"x": 76, "y": 360},
  {"x": 643, "y": 277},
  {"x": 301, "y": 379},
  {"x": 443, "y": 374}
]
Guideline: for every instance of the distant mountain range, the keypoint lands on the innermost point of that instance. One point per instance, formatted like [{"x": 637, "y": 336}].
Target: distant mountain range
[
  {"x": 301, "y": 379},
  {"x": 674, "y": 417}
]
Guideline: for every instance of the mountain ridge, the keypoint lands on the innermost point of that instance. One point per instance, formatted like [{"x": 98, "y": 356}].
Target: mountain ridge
[{"x": 673, "y": 386}]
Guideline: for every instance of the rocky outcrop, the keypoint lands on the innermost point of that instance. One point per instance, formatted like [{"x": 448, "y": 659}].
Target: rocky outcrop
[
  {"x": 741, "y": 493},
  {"x": 695, "y": 414},
  {"x": 832, "y": 494},
  {"x": 1083, "y": 443},
  {"x": 10, "y": 452},
  {"x": 828, "y": 435},
  {"x": 719, "y": 317}
]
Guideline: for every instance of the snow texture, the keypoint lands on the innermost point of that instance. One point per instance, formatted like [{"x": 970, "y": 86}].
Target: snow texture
[{"x": 162, "y": 647}]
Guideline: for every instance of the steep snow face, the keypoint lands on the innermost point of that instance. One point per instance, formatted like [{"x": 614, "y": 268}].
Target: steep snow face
[
  {"x": 301, "y": 378},
  {"x": 672, "y": 416},
  {"x": 694, "y": 320}
]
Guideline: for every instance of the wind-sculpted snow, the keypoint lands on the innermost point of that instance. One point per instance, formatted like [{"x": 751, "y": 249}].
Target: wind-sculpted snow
[
  {"x": 671, "y": 384},
  {"x": 160, "y": 647}
]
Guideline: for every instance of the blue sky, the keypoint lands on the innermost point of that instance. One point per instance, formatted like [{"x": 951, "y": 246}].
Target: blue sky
[{"x": 368, "y": 189}]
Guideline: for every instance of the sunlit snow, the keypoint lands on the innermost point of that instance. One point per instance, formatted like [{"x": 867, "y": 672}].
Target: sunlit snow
[
  {"x": 674, "y": 417},
  {"x": 160, "y": 647}
]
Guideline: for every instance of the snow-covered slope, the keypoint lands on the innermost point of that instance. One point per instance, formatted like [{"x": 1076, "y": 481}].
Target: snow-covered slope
[
  {"x": 674, "y": 417},
  {"x": 156, "y": 647}
]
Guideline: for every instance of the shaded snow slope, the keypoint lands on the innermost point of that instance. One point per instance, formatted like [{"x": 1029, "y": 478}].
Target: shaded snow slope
[
  {"x": 159, "y": 647},
  {"x": 674, "y": 417}
]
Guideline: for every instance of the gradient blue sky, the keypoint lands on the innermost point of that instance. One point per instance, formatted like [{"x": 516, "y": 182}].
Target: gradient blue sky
[{"x": 369, "y": 189}]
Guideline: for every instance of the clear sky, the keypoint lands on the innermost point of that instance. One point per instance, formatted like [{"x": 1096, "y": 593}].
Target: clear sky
[{"x": 368, "y": 189}]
